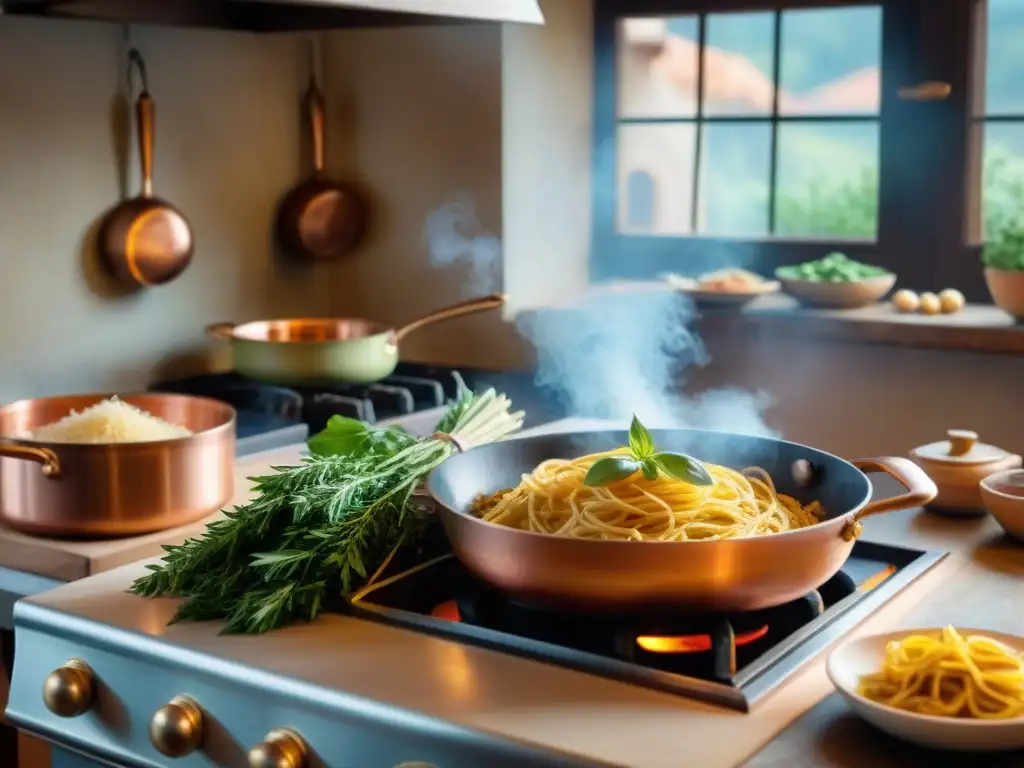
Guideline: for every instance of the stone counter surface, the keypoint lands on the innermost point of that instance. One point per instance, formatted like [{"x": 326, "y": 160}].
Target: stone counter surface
[
  {"x": 610, "y": 723},
  {"x": 986, "y": 591}
]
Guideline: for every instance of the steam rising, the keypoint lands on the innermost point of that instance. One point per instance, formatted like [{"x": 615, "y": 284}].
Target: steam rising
[
  {"x": 610, "y": 354},
  {"x": 455, "y": 236}
]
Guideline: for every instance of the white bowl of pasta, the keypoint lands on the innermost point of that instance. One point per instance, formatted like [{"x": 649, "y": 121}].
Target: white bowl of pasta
[{"x": 890, "y": 680}]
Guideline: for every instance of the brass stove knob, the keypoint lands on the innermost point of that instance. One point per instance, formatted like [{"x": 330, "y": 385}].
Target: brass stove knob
[
  {"x": 280, "y": 749},
  {"x": 69, "y": 691},
  {"x": 176, "y": 729}
]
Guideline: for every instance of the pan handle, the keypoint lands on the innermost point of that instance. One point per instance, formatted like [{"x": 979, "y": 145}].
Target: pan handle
[
  {"x": 145, "y": 117},
  {"x": 463, "y": 308},
  {"x": 220, "y": 331},
  {"x": 44, "y": 456},
  {"x": 920, "y": 489},
  {"x": 315, "y": 109}
]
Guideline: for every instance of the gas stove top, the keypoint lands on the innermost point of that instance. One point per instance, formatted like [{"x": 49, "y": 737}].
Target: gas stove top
[
  {"x": 734, "y": 660},
  {"x": 270, "y": 416}
]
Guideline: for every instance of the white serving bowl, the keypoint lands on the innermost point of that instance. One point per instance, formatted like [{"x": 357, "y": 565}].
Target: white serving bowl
[
  {"x": 864, "y": 656},
  {"x": 1003, "y": 494}
]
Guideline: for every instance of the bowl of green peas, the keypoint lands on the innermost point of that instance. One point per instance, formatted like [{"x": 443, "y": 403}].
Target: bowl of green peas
[{"x": 836, "y": 281}]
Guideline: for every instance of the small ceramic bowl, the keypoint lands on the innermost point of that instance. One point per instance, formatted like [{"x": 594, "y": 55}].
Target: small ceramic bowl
[
  {"x": 847, "y": 663},
  {"x": 1003, "y": 494},
  {"x": 847, "y": 295}
]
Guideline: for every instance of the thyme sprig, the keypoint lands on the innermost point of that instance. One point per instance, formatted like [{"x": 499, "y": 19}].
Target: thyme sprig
[{"x": 318, "y": 528}]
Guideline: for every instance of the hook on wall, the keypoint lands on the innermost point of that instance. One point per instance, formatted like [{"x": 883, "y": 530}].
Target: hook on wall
[{"x": 137, "y": 64}]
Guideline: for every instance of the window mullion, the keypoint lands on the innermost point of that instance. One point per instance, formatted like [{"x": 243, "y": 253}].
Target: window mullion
[
  {"x": 698, "y": 125},
  {"x": 773, "y": 159}
]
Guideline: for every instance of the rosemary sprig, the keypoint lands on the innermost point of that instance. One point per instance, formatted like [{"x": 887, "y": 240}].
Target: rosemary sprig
[{"x": 320, "y": 527}]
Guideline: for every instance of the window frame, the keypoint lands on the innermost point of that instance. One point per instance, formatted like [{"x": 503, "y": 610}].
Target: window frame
[{"x": 925, "y": 154}]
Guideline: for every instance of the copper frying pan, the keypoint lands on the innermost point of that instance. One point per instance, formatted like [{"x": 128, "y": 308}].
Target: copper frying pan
[
  {"x": 608, "y": 576},
  {"x": 320, "y": 219},
  {"x": 145, "y": 240},
  {"x": 325, "y": 349}
]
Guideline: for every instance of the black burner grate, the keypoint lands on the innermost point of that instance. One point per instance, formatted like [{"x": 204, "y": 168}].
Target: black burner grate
[
  {"x": 730, "y": 659},
  {"x": 410, "y": 390}
]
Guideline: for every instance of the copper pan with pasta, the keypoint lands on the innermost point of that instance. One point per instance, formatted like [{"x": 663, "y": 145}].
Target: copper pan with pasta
[{"x": 708, "y": 521}]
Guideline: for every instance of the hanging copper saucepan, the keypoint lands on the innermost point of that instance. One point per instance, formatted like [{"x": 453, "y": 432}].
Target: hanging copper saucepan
[
  {"x": 320, "y": 219},
  {"x": 306, "y": 350},
  {"x": 145, "y": 240}
]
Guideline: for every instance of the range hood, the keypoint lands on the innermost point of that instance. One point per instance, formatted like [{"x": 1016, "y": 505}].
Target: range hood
[{"x": 282, "y": 15}]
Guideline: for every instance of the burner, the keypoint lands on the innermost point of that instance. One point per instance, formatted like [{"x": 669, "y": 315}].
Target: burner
[
  {"x": 731, "y": 659},
  {"x": 712, "y": 646},
  {"x": 326, "y": 404},
  {"x": 263, "y": 398},
  {"x": 412, "y": 389}
]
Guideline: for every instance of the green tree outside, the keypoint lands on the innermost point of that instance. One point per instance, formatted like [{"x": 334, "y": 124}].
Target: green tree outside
[{"x": 850, "y": 209}]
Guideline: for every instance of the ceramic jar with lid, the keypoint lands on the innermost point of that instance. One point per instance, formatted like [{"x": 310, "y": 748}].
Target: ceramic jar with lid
[{"x": 957, "y": 465}]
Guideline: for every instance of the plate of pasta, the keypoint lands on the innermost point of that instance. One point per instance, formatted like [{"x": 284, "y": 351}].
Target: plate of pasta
[{"x": 944, "y": 688}]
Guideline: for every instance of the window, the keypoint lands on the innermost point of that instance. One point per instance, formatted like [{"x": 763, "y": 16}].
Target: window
[
  {"x": 758, "y": 124},
  {"x": 998, "y": 119},
  {"x": 771, "y": 132}
]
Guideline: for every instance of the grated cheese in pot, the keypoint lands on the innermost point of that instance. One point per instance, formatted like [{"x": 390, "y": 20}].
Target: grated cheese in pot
[{"x": 109, "y": 421}]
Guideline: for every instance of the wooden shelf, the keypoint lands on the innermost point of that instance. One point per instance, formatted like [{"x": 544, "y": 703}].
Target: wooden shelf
[{"x": 976, "y": 328}]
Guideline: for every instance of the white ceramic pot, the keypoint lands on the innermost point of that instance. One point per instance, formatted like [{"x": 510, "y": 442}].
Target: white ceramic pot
[{"x": 957, "y": 466}]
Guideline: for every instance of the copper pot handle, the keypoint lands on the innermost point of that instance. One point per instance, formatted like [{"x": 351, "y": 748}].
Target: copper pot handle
[
  {"x": 463, "y": 308},
  {"x": 315, "y": 110},
  {"x": 145, "y": 117},
  {"x": 220, "y": 331},
  {"x": 44, "y": 456},
  {"x": 920, "y": 489}
]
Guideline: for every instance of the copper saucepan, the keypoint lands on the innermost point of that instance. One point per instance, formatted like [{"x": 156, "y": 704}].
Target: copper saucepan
[
  {"x": 625, "y": 576},
  {"x": 98, "y": 490},
  {"x": 145, "y": 240},
  {"x": 320, "y": 219},
  {"x": 325, "y": 349}
]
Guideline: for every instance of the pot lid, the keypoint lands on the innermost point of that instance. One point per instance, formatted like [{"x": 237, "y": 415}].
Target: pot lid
[{"x": 961, "y": 447}]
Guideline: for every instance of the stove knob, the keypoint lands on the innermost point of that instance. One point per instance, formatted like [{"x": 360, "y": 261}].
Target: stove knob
[
  {"x": 176, "y": 730},
  {"x": 69, "y": 691},
  {"x": 280, "y": 749}
]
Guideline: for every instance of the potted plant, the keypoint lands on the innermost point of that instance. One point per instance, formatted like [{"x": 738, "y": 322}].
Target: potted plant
[{"x": 1003, "y": 256}]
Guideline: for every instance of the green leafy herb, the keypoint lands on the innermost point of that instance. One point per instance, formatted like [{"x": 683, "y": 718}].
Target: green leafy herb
[
  {"x": 1004, "y": 248},
  {"x": 640, "y": 441},
  {"x": 683, "y": 467},
  {"x": 321, "y": 527},
  {"x": 611, "y": 469},
  {"x": 644, "y": 457},
  {"x": 343, "y": 437}
]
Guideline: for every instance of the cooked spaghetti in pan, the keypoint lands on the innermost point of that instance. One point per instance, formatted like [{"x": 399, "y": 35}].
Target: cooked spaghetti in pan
[{"x": 640, "y": 494}]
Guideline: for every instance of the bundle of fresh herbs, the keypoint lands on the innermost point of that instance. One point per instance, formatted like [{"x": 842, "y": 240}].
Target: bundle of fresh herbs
[{"x": 318, "y": 529}]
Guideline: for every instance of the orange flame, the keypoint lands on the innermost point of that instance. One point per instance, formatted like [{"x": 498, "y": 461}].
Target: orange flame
[
  {"x": 692, "y": 643},
  {"x": 449, "y": 611}
]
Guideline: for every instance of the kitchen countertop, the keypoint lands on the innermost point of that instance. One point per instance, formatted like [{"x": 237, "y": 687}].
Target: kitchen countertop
[
  {"x": 976, "y": 328},
  {"x": 602, "y": 720}
]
